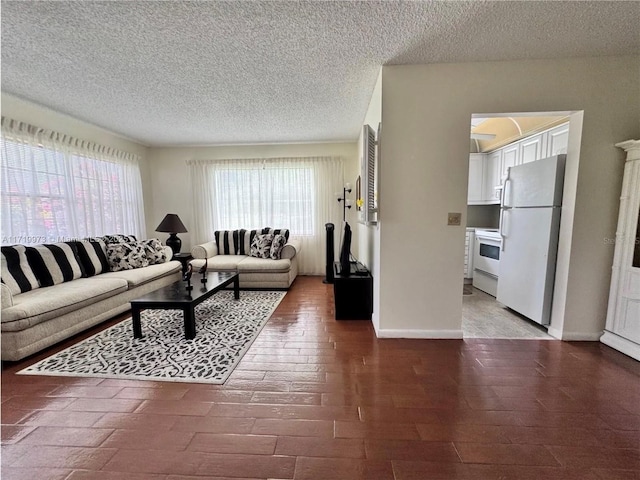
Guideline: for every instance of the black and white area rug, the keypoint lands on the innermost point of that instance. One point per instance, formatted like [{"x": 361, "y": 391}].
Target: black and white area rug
[{"x": 225, "y": 329}]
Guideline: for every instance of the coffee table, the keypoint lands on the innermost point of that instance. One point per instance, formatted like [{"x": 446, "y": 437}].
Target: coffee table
[{"x": 176, "y": 297}]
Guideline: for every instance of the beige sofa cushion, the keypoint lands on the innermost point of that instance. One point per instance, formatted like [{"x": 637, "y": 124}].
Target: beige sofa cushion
[
  {"x": 36, "y": 306},
  {"x": 257, "y": 265},
  {"x": 219, "y": 263},
  {"x": 139, "y": 276}
]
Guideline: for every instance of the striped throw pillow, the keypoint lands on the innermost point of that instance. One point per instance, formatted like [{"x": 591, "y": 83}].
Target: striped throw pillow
[
  {"x": 92, "y": 256},
  {"x": 16, "y": 271},
  {"x": 243, "y": 241},
  {"x": 54, "y": 263},
  {"x": 225, "y": 240}
]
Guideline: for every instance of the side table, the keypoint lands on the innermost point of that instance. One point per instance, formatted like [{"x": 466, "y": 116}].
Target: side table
[
  {"x": 353, "y": 295},
  {"x": 184, "y": 259}
]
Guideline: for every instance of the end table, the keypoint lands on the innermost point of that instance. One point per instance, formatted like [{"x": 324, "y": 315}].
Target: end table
[{"x": 184, "y": 259}]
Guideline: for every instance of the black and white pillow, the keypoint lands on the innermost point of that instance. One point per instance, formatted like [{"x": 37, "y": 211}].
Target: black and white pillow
[
  {"x": 93, "y": 257},
  {"x": 126, "y": 256},
  {"x": 277, "y": 231},
  {"x": 54, "y": 263},
  {"x": 154, "y": 251},
  {"x": 276, "y": 246},
  {"x": 225, "y": 240},
  {"x": 118, "y": 238},
  {"x": 243, "y": 241},
  {"x": 15, "y": 270},
  {"x": 261, "y": 245}
]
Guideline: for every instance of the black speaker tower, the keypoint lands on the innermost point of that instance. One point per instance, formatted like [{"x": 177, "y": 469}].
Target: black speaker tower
[{"x": 330, "y": 254}]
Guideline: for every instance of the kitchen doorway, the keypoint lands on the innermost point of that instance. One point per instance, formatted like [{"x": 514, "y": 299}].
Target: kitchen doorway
[{"x": 499, "y": 142}]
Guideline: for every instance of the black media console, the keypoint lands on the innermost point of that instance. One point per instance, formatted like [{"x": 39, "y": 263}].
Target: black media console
[{"x": 353, "y": 292}]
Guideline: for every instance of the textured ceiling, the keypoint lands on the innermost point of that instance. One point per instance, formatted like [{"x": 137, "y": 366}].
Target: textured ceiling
[{"x": 196, "y": 73}]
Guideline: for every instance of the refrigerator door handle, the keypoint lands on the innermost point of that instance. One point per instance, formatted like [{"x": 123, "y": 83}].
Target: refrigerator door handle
[
  {"x": 507, "y": 180},
  {"x": 500, "y": 229}
]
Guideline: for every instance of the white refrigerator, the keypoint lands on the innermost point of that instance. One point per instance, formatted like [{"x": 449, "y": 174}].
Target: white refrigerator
[{"x": 529, "y": 227}]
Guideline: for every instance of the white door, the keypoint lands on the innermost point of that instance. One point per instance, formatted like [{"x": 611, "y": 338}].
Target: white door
[{"x": 527, "y": 261}]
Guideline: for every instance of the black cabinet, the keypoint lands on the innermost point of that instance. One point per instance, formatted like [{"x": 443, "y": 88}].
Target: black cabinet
[{"x": 353, "y": 294}]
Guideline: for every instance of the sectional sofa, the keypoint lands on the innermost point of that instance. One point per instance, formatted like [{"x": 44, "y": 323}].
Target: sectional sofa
[{"x": 57, "y": 292}]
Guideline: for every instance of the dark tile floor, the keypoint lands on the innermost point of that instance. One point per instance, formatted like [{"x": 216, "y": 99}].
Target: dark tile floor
[{"x": 318, "y": 399}]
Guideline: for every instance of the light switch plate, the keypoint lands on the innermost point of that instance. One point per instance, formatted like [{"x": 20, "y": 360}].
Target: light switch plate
[{"x": 454, "y": 219}]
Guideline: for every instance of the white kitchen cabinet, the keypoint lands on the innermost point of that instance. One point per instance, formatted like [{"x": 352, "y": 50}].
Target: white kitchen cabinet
[
  {"x": 491, "y": 179},
  {"x": 557, "y": 140},
  {"x": 622, "y": 330},
  {"x": 476, "y": 178},
  {"x": 532, "y": 148},
  {"x": 488, "y": 170},
  {"x": 510, "y": 158},
  {"x": 484, "y": 175}
]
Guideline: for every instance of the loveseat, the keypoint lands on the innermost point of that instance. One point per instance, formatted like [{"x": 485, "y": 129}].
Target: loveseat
[
  {"x": 259, "y": 263},
  {"x": 52, "y": 292}
]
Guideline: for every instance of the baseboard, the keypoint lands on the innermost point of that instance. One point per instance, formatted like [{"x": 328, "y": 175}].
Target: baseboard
[
  {"x": 425, "y": 334},
  {"x": 555, "y": 333},
  {"x": 621, "y": 344},
  {"x": 574, "y": 336}
]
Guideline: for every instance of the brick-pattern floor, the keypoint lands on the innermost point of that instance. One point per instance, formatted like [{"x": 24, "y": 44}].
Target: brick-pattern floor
[{"x": 318, "y": 399}]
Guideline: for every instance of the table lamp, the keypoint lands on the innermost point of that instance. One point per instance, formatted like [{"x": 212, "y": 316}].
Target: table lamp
[{"x": 172, "y": 224}]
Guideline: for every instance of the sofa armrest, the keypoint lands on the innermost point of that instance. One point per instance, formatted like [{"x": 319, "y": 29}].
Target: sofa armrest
[
  {"x": 206, "y": 250},
  {"x": 291, "y": 248},
  {"x": 6, "y": 295},
  {"x": 168, "y": 251}
]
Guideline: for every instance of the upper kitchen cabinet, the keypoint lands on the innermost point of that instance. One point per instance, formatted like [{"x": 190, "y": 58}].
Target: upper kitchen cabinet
[
  {"x": 476, "y": 178},
  {"x": 484, "y": 176},
  {"x": 533, "y": 148},
  {"x": 488, "y": 170},
  {"x": 557, "y": 140},
  {"x": 510, "y": 158},
  {"x": 492, "y": 174}
]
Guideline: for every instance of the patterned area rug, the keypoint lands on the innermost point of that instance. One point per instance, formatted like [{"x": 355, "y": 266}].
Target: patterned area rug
[{"x": 225, "y": 329}]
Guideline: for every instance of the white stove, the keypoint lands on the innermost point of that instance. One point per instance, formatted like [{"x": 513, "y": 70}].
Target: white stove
[{"x": 486, "y": 260}]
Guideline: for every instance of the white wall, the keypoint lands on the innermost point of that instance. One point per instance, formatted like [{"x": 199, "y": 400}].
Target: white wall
[
  {"x": 369, "y": 236},
  {"x": 425, "y": 115},
  {"x": 22, "y": 110},
  {"x": 171, "y": 189}
]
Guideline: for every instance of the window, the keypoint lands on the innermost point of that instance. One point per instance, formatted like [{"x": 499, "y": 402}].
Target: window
[
  {"x": 268, "y": 196},
  {"x": 54, "y": 193},
  {"x": 297, "y": 193}
]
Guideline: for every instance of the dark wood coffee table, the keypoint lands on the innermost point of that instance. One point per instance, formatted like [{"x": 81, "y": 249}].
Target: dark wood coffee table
[{"x": 176, "y": 297}]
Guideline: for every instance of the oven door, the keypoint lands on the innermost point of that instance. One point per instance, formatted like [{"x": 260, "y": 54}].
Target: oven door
[{"x": 487, "y": 255}]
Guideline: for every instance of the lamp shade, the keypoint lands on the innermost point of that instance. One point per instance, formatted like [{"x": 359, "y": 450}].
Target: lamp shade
[{"x": 171, "y": 223}]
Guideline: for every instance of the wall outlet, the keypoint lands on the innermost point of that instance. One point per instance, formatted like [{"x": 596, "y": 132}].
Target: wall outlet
[{"x": 454, "y": 219}]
